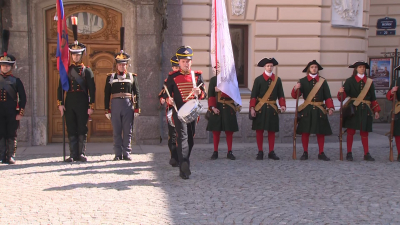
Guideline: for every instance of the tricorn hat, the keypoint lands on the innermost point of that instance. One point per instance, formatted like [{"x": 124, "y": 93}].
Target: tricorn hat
[
  {"x": 174, "y": 61},
  {"x": 76, "y": 47},
  {"x": 6, "y": 58},
  {"x": 359, "y": 63},
  {"x": 264, "y": 61},
  {"x": 314, "y": 62},
  {"x": 122, "y": 57},
  {"x": 184, "y": 52}
]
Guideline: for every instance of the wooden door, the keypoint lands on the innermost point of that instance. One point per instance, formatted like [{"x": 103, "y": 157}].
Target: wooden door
[{"x": 98, "y": 29}]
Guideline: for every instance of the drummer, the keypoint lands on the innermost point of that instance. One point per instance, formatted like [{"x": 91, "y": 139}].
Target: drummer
[
  {"x": 171, "y": 127},
  {"x": 180, "y": 87}
]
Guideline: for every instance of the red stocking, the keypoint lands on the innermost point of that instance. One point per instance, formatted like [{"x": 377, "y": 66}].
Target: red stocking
[
  {"x": 364, "y": 141},
  {"x": 321, "y": 142},
  {"x": 271, "y": 140},
  {"x": 260, "y": 138},
  {"x": 229, "y": 139},
  {"x": 305, "y": 137},
  {"x": 216, "y": 135},
  {"x": 350, "y": 138}
]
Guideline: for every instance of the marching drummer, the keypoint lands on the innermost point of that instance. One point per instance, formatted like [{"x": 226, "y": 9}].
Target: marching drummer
[
  {"x": 180, "y": 87},
  {"x": 171, "y": 128},
  {"x": 266, "y": 90}
]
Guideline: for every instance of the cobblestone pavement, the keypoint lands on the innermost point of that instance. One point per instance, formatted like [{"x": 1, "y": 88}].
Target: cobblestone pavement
[{"x": 42, "y": 190}]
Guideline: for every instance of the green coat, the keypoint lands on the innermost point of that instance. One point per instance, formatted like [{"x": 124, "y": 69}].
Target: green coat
[
  {"x": 226, "y": 119},
  {"x": 396, "y": 128},
  {"x": 266, "y": 118},
  {"x": 311, "y": 119},
  {"x": 363, "y": 115}
]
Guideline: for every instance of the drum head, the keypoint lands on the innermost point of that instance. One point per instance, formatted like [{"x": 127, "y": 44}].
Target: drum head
[{"x": 187, "y": 107}]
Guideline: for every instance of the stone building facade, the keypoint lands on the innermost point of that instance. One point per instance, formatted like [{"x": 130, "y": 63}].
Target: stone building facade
[{"x": 294, "y": 32}]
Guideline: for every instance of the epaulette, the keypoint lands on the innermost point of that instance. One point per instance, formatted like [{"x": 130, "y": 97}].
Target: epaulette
[
  {"x": 109, "y": 74},
  {"x": 165, "y": 79},
  {"x": 134, "y": 74},
  {"x": 172, "y": 72},
  {"x": 198, "y": 72}
]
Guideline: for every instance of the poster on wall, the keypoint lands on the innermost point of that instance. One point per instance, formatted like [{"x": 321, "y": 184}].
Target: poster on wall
[{"x": 381, "y": 72}]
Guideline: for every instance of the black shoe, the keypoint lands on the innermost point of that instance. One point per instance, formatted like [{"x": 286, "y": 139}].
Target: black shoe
[
  {"x": 304, "y": 156},
  {"x": 82, "y": 158},
  {"x": 128, "y": 157},
  {"x": 322, "y": 156},
  {"x": 117, "y": 158},
  {"x": 185, "y": 169},
  {"x": 230, "y": 155},
  {"x": 260, "y": 155},
  {"x": 273, "y": 156},
  {"x": 349, "y": 156},
  {"x": 11, "y": 160},
  {"x": 70, "y": 159},
  {"x": 183, "y": 176},
  {"x": 173, "y": 162},
  {"x": 214, "y": 155},
  {"x": 368, "y": 157}
]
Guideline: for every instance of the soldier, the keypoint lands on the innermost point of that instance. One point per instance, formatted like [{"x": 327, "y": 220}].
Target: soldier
[
  {"x": 359, "y": 111},
  {"x": 312, "y": 114},
  {"x": 267, "y": 88},
  {"x": 180, "y": 86},
  {"x": 123, "y": 89},
  {"x": 394, "y": 89},
  {"x": 171, "y": 128},
  {"x": 222, "y": 117},
  {"x": 78, "y": 105},
  {"x": 12, "y": 96}
]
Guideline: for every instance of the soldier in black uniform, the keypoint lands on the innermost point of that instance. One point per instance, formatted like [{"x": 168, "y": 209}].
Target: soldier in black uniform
[
  {"x": 180, "y": 85},
  {"x": 123, "y": 89},
  {"x": 78, "y": 105},
  {"x": 12, "y": 96},
  {"x": 171, "y": 127}
]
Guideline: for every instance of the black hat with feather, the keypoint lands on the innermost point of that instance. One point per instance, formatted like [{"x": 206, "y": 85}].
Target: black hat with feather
[
  {"x": 76, "y": 47},
  {"x": 6, "y": 58},
  {"x": 122, "y": 57}
]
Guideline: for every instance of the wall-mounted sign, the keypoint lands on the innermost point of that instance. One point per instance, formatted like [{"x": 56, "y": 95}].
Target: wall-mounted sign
[
  {"x": 385, "y": 32},
  {"x": 386, "y": 23}
]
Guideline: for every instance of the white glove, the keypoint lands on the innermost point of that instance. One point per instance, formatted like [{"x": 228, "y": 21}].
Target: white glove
[
  {"x": 136, "y": 114},
  {"x": 108, "y": 115}
]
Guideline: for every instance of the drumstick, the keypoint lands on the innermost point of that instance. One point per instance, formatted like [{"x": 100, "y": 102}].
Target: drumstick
[
  {"x": 192, "y": 92},
  {"x": 169, "y": 96}
]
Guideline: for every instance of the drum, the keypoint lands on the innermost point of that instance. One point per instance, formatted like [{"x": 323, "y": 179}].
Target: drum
[
  {"x": 190, "y": 111},
  {"x": 169, "y": 118}
]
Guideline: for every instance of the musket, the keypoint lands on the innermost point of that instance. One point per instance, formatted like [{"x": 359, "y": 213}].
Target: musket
[
  {"x": 341, "y": 125},
  {"x": 295, "y": 124},
  {"x": 392, "y": 125}
]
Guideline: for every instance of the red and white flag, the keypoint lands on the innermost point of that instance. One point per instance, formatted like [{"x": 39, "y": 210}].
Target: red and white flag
[{"x": 222, "y": 59}]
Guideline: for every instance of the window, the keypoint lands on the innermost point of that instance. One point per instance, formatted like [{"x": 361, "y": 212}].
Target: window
[{"x": 239, "y": 38}]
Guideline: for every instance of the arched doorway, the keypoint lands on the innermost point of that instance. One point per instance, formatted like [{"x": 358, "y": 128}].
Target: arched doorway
[{"x": 98, "y": 29}]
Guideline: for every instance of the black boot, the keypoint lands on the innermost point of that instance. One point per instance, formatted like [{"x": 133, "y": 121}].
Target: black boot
[
  {"x": 73, "y": 149},
  {"x": 82, "y": 148},
  {"x": 368, "y": 157},
  {"x": 174, "y": 162},
  {"x": 304, "y": 156},
  {"x": 3, "y": 156},
  {"x": 260, "y": 155},
  {"x": 11, "y": 147},
  {"x": 214, "y": 155},
  {"x": 273, "y": 156},
  {"x": 230, "y": 155},
  {"x": 349, "y": 156},
  {"x": 184, "y": 170},
  {"x": 322, "y": 156}
]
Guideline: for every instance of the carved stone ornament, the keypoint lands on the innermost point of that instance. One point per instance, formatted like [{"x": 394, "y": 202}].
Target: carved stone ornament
[
  {"x": 347, "y": 9},
  {"x": 238, "y": 7}
]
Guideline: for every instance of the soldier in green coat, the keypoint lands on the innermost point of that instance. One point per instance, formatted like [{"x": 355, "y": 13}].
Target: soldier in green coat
[
  {"x": 267, "y": 88},
  {"x": 312, "y": 114},
  {"x": 79, "y": 101},
  {"x": 394, "y": 89},
  {"x": 362, "y": 107},
  {"x": 222, "y": 117}
]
